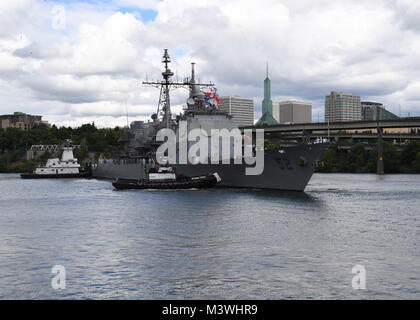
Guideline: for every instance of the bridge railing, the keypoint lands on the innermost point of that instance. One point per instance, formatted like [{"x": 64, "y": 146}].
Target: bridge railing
[{"x": 50, "y": 148}]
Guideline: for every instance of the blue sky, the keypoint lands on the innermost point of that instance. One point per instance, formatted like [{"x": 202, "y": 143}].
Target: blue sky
[{"x": 146, "y": 15}]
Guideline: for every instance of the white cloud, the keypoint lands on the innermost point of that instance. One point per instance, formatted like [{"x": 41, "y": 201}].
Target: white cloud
[
  {"x": 110, "y": 48},
  {"x": 407, "y": 14},
  {"x": 92, "y": 67}
]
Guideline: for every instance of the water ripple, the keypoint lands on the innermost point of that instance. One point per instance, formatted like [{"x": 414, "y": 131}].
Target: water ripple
[{"x": 210, "y": 244}]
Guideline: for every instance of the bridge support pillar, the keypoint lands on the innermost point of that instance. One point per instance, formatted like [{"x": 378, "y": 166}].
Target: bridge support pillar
[
  {"x": 306, "y": 136},
  {"x": 380, "y": 164}
]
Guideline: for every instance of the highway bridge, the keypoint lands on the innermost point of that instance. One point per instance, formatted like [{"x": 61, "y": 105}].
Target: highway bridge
[
  {"x": 413, "y": 122},
  {"x": 353, "y": 130},
  {"x": 361, "y": 135}
]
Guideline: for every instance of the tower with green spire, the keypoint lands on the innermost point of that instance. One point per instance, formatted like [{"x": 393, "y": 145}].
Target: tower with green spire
[{"x": 267, "y": 104}]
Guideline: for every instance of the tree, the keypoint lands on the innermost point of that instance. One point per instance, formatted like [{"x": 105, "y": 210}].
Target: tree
[
  {"x": 416, "y": 163},
  {"x": 357, "y": 158},
  {"x": 408, "y": 156},
  {"x": 409, "y": 153},
  {"x": 82, "y": 152},
  {"x": 392, "y": 158}
]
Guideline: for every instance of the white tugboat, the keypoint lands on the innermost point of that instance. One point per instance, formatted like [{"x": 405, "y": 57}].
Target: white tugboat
[{"x": 67, "y": 167}]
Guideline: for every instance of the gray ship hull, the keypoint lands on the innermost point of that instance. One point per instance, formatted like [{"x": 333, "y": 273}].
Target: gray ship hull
[{"x": 288, "y": 168}]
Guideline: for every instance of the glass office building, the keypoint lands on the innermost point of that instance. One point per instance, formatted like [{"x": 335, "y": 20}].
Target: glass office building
[
  {"x": 342, "y": 106},
  {"x": 376, "y": 111}
]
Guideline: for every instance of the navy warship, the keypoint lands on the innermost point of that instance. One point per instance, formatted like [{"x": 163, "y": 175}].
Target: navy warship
[{"x": 288, "y": 167}]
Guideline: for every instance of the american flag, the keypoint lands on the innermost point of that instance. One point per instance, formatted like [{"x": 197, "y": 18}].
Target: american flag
[
  {"x": 212, "y": 95},
  {"x": 215, "y": 96}
]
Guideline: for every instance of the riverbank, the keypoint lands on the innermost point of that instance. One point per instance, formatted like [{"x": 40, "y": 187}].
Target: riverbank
[
  {"x": 14, "y": 143},
  {"x": 361, "y": 160}
]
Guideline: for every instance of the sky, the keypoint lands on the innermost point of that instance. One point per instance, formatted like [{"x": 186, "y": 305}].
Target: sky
[{"x": 77, "y": 61}]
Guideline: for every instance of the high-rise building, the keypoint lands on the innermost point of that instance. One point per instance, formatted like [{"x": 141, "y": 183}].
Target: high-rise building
[
  {"x": 241, "y": 109},
  {"x": 376, "y": 111},
  {"x": 20, "y": 120},
  {"x": 342, "y": 106},
  {"x": 292, "y": 111}
]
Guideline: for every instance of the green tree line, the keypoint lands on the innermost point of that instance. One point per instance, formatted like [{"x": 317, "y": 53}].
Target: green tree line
[
  {"x": 15, "y": 142},
  {"x": 360, "y": 160}
]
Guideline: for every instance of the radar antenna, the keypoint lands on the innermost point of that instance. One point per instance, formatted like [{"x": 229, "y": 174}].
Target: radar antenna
[{"x": 165, "y": 85}]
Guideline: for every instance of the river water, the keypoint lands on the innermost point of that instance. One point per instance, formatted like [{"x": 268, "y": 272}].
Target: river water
[{"x": 211, "y": 244}]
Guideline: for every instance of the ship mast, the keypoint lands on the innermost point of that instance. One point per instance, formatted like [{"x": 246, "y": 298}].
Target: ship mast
[
  {"x": 167, "y": 74},
  {"x": 165, "y": 86}
]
